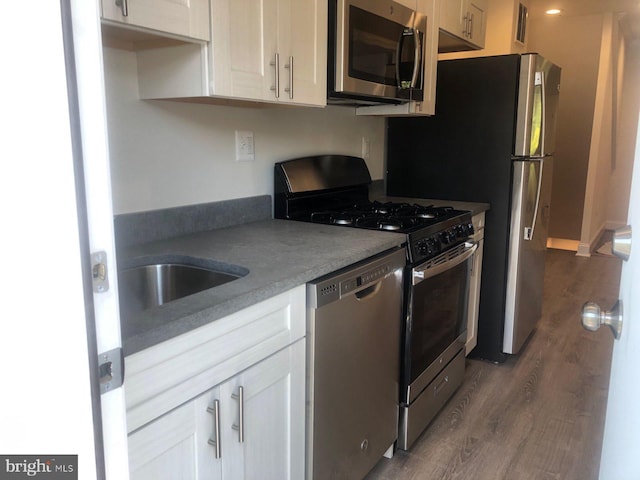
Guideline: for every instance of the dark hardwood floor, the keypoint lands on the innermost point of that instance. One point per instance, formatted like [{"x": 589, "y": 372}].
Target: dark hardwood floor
[{"x": 540, "y": 415}]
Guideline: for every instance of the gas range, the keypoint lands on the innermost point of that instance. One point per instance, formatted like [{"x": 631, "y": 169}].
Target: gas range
[
  {"x": 309, "y": 189},
  {"x": 334, "y": 190}
]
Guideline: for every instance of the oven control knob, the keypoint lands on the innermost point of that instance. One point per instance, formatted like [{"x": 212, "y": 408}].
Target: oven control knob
[
  {"x": 432, "y": 245},
  {"x": 426, "y": 247},
  {"x": 445, "y": 237}
]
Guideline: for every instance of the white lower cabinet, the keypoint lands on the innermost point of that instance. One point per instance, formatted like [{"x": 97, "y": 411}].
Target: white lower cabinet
[
  {"x": 270, "y": 444},
  {"x": 226, "y": 401}
]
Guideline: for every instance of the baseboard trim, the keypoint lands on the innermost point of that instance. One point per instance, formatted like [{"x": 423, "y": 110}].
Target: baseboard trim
[
  {"x": 613, "y": 225},
  {"x": 584, "y": 250},
  {"x": 563, "y": 244}
]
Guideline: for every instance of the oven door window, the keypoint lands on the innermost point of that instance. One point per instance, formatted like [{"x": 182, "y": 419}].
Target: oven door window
[
  {"x": 439, "y": 315},
  {"x": 373, "y": 47}
]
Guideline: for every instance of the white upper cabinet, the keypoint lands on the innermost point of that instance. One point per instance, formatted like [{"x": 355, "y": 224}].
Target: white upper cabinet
[
  {"x": 307, "y": 52},
  {"x": 185, "y": 18},
  {"x": 462, "y": 25},
  {"x": 261, "y": 50},
  {"x": 430, "y": 8},
  {"x": 269, "y": 50}
]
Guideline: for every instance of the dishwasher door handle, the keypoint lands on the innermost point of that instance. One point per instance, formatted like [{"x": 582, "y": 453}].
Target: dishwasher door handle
[{"x": 369, "y": 292}]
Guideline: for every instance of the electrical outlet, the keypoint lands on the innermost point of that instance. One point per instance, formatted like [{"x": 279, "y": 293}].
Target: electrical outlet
[
  {"x": 366, "y": 147},
  {"x": 245, "y": 150}
]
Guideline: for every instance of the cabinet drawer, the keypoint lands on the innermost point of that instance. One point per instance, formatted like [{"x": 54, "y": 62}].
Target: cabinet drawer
[{"x": 167, "y": 375}]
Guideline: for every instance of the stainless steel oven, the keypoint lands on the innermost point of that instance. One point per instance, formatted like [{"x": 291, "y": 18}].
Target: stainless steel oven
[
  {"x": 376, "y": 52},
  {"x": 436, "y": 300}
]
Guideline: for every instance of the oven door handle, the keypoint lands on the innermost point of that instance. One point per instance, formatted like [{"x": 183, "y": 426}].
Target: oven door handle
[{"x": 422, "y": 274}]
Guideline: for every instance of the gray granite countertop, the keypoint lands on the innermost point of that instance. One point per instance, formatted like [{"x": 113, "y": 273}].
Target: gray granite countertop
[{"x": 278, "y": 254}]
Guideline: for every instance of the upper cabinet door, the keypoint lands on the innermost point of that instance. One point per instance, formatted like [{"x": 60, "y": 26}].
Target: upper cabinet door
[
  {"x": 188, "y": 18},
  {"x": 462, "y": 25},
  {"x": 476, "y": 22},
  {"x": 270, "y": 50},
  {"x": 452, "y": 16},
  {"x": 303, "y": 51},
  {"x": 243, "y": 46}
]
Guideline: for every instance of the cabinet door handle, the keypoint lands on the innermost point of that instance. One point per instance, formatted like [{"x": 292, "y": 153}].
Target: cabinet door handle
[
  {"x": 290, "y": 87},
  {"x": 124, "y": 6},
  {"x": 215, "y": 441},
  {"x": 276, "y": 63},
  {"x": 240, "y": 426},
  {"x": 471, "y": 26}
]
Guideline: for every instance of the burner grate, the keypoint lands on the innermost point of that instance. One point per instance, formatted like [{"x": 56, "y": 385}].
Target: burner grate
[{"x": 400, "y": 217}]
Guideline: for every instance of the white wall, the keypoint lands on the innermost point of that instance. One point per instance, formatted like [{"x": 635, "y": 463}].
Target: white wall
[
  {"x": 601, "y": 152},
  {"x": 574, "y": 44},
  {"x": 166, "y": 154},
  {"x": 627, "y": 126}
]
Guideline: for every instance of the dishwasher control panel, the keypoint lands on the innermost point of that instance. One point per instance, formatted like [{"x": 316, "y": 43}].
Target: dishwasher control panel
[
  {"x": 332, "y": 287},
  {"x": 372, "y": 276}
]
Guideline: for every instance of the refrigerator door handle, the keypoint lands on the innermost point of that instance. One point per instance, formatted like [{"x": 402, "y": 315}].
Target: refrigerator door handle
[
  {"x": 540, "y": 80},
  {"x": 529, "y": 231}
]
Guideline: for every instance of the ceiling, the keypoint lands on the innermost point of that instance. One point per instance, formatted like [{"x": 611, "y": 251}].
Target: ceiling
[
  {"x": 583, "y": 7},
  {"x": 630, "y": 10}
]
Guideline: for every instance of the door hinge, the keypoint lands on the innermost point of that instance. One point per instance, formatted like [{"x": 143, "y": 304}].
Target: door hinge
[
  {"x": 100, "y": 272},
  {"x": 111, "y": 369}
]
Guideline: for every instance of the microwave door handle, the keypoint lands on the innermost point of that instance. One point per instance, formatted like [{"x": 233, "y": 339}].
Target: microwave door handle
[
  {"x": 416, "y": 58},
  {"x": 399, "y": 58}
]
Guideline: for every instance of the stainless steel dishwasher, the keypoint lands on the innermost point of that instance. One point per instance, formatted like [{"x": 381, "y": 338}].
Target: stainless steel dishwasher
[{"x": 354, "y": 323}]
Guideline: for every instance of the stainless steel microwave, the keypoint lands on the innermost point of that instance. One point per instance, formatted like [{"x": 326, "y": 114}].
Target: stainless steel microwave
[{"x": 376, "y": 52}]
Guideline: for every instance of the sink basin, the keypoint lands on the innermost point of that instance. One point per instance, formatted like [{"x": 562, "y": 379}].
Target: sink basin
[{"x": 146, "y": 286}]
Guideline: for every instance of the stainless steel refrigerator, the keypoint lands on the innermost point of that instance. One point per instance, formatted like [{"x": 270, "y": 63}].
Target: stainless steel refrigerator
[{"x": 491, "y": 140}]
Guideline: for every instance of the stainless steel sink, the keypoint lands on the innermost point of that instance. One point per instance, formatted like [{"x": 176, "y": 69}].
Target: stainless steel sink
[{"x": 146, "y": 286}]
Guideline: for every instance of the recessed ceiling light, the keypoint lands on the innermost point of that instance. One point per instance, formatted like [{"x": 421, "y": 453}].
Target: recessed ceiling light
[{"x": 553, "y": 11}]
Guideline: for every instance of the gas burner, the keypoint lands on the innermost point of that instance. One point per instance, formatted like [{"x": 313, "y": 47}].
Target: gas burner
[
  {"x": 334, "y": 218},
  {"x": 385, "y": 222},
  {"x": 375, "y": 208},
  {"x": 321, "y": 217},
  {"x": 342, "y": 218},
  {"x": 389, "y": 225}
]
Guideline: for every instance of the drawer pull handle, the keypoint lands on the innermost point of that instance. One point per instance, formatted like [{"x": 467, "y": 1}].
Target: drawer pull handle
[
  {"x": 215, "y": 441},
  {"x": 124, "y": 6},
  {"x": 240, "y": 426},
  {"x": 442, "y": 383}
]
